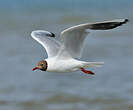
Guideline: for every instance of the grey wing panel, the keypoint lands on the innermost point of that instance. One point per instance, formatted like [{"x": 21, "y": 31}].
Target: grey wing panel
[
  {"x": 46, "y": 39},
  {"x": 73, "y": 37},
  {"x": 73, "y": 42}
]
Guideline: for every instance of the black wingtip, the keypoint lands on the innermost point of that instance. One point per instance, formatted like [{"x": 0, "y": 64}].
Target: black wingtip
[
  {"x": 126, "y": 20},
  {"x": 52, "y": 34}
]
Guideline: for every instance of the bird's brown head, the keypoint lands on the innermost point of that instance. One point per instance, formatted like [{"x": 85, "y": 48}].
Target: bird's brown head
[{"x": 42, "y": 65}]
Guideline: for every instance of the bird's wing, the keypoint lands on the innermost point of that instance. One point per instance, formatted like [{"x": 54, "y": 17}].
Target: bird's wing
[
  {"x": 47, "y": 40},
  {"x": 74, "y": 37}
]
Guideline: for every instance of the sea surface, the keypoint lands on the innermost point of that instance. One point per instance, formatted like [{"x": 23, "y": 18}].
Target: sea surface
[{"x": 111, "y": 88}]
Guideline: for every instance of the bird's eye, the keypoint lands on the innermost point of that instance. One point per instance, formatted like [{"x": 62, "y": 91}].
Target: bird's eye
[{"x": 41, "y": 64}]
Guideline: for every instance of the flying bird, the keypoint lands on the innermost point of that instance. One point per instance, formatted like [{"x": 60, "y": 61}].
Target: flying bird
[{"x": 64, "y": 56}]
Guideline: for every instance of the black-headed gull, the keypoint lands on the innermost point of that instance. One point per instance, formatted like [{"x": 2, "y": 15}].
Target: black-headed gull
[{"x": 62, "y": 56}]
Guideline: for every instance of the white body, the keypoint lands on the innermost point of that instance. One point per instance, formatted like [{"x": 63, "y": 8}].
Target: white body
[
  {"x": 61, "y": 56},
  {"x": 69, "y": 65}
]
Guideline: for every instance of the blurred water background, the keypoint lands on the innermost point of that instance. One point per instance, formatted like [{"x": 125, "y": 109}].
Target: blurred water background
[{"x": 21, "y": 89}]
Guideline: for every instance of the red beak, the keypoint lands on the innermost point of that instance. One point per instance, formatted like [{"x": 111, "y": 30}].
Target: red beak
[{"x": 35, "y": 68}]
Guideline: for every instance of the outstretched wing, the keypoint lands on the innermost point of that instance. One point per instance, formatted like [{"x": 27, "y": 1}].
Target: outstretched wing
[
  {"x": 47, "y": 40},
  {"x": 74, "y": 37}
]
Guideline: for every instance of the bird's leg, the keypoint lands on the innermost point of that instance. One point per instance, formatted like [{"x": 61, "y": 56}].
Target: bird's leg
[{"x": 87, "y": 71}]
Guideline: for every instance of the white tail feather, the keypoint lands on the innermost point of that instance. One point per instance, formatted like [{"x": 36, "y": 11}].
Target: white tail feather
[{"x": 93, "y": 64}]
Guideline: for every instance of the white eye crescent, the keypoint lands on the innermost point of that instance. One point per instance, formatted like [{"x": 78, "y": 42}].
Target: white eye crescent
[{"x": 41, "y": 64}]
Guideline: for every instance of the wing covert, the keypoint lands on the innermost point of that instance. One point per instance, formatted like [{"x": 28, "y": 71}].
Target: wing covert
[
  {"x": 47, "y": 40},
  {"x": 74, "y": 37}
]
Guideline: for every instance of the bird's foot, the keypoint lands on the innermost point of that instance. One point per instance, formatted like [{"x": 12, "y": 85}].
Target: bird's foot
[{"x": 87, "y": 71}]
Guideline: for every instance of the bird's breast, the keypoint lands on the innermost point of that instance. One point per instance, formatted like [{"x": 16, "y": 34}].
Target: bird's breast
[{"x": 66, "y": 65}]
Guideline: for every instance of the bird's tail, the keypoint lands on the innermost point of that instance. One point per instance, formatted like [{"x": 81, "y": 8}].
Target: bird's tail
[{"x": 92, "y": 64}]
